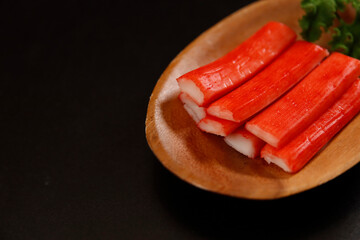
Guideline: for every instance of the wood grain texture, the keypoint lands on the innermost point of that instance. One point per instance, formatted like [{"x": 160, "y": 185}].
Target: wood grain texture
[{"x": 205, "y": 160}]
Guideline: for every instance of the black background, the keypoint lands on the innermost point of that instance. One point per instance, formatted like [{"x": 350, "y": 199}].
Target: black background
[{"x": 75, "y": 80}]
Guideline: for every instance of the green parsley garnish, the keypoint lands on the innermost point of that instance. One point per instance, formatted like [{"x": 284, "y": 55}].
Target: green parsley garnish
[{"x": 320, "y": 15}]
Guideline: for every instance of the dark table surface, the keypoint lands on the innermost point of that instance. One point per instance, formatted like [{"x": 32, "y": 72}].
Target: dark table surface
[{"x": 75, "y": 81}]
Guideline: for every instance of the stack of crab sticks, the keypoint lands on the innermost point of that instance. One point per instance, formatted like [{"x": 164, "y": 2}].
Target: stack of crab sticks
[{"x": 274, "y": 97}]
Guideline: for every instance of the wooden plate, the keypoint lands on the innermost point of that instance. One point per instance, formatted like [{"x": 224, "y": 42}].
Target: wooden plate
[{"x": 204, "y": 160}]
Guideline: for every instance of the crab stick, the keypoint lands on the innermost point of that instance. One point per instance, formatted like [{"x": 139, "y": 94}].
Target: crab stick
[
  {"x": 217, "y": 126},
  {"x": 282, "y": 74},
  {"x": 293, "y": 156},
  {"x": 245, "y": 142},
  {"x": 294, "y": 112},
  {"x": 196, "y": 113},
  {"x": 210, "y": 82},
  {"x": 206, "y": 122}
]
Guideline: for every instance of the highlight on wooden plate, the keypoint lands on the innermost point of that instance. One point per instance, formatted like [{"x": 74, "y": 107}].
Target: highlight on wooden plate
[{"x": 205, "y": 160}]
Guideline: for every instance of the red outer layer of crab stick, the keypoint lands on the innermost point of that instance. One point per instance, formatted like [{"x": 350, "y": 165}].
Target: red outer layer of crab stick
[
  {"x": 306, "y": 102},
  {"x": 205, "y": 122},
  {"x": 210, "y": 82},
  {"x": 293, "y": 156},
  {"x": 245, "y": 142},
  {"x": 217, "y": 126},
  {"x": 282, "y": 74}
]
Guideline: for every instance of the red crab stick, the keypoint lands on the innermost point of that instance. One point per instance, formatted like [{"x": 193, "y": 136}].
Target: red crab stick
[
  {"x": 206, "y": 122},
  {"x": 288, "y": 69},
  {"x": 208, "y": 83},
  {"x": 245, "y": 142},
  {"x": 217, "y": 126},
  {"x": 293, "y": 156},
  {"x": 300, "y": 107},
  {"x": 197, "y": 113}
]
